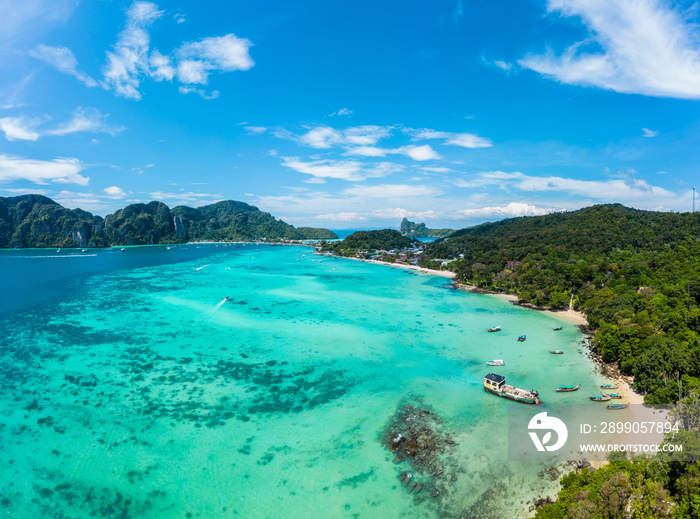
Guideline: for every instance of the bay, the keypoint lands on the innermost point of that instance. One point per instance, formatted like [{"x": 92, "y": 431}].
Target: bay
[{"x": 257, "y": 381}]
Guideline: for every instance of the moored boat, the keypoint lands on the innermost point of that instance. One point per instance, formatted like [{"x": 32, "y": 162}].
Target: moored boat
[
  {"x": 617, "y": 406},
  {"x": 615, "y": 395},
  {"x": 557, "y": 328},
  {"x": 609, "y": 386},
  {"x": 600, "y": 398},
  {"x": 555, "y": 352},
  {"x": 494, "y": 329},
  {"x": 564, "y": 389},
  {"x": 497, "y": 362},
  {"x": 496, "y": 385},
  {"x": 522, "y": 338}
]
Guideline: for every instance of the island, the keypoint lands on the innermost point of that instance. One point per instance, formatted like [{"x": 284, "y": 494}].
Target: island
[
  {"x": 38, "y": 221},
  {"x": 419, "y": 230}
]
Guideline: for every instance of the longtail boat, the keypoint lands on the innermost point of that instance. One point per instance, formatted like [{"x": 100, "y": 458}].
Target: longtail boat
[
  {"x": 522, "y": 338},
  {"x": 555, "y": 352},
  {"x": 557, "y": 328},
  {"x": 617, "y": 406},
  {"x": 496, "y": 385},
  {"x": 564, "y": 389},
  {"x": 600, "y": 398},
  {"x": 609, "y": 386},
  {"x": 615, "y": 395}
]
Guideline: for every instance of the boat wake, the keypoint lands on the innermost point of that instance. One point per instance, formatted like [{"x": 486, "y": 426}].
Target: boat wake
[
  {"x": 200, "y": 268},
  {"x": 218, "y": 307}
]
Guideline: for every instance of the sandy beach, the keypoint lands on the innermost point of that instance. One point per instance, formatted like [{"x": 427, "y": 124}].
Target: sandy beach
[{"x": 443, "y": 273}]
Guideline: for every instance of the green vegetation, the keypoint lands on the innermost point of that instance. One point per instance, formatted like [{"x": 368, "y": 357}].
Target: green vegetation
[
  {"x": 419, "y": 230},
  {"x": 37, "y": 221},
  {"x": 635, "y": 274},
  {"x": 386, "y": 239},
  {"x": 665, "y": 485}
]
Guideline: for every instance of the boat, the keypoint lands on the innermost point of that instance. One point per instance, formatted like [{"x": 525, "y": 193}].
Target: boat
[
  {"x": 565, "y": 389},
  {"x": 494, "y": 329},
  {"x": 615, "y": 395},
  {"x": 555, "y": 352},
  {"x": 557, "y": 329},
  {"x": 59, "y": 249},
  {"x": 522, "y": 338},
  {"x": 496, "y": 385},
  {"x": 609, "y": 386},
  {"x": 617, "y": 406},
  {"x": 122, "y": 249},
  {"x": 497, "y": 362},
  {"x": 600, "y": 398},
  {"x": 83, "y": 250}
]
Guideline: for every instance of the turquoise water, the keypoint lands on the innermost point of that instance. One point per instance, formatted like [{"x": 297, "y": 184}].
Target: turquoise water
[{"x": 132, "y": 388}]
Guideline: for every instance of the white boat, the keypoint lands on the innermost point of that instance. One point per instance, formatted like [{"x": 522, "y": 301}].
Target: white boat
[{"x": 497, "y": 362}]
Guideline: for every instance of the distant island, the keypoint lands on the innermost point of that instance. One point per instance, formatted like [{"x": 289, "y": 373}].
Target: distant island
[
  {"x": 366, "y": 244},
  {"x": 419, "y": 230},
  {"x": 37, "y": 221}
]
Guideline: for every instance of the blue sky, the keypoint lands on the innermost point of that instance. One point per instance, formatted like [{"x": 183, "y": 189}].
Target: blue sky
[{"x": 352, "y": 114}]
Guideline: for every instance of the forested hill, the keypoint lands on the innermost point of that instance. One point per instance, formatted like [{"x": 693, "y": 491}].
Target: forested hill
[
  {"x": 419, "y": 230},
  {"x": 636, "y": 275},
  {"x": 385, "y": 239},
  {"x": 38, "y": 221}
]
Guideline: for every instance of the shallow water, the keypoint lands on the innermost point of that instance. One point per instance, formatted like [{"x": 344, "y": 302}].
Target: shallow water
[{"x": 130, "y": 388}]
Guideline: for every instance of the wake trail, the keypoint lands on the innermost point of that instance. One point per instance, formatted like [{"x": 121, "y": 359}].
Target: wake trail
[
  {"x": 200, "y": 268},
  {"x": 217, "y": 306}
]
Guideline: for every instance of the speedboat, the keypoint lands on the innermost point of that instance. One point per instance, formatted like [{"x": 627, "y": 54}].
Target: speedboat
[
  {"x": 522, "y": 338},
  {"x": 497, "y": 362},
  {"x": 555, "y": 352},
  {"x": 494, "y": 329}
]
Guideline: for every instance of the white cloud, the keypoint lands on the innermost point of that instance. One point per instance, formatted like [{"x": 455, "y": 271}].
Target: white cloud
[
  {"x": 161, "y": 66},
  {"x": 201, "y": 93},
  {"x": 114, "y": 192},
  {"x": 20, "y": 128},
  {"x": 465, "y": 140},
  {"x": 350, "y": 170},
  {"x": 62, "y": 170},
  {"x": 129, "y": 61},
  {"x": 28, "y": 18},
  {"x": 419, "y": 153},
  {"x": 224, "y": 53},
  {"x": 86, "y": 201},
  {"x": 343, "y": 111},
  {"x": 342, "y": 217},
  {"x": 179, "y": 18},
  {"x": 63, "y": 60},
  {"x": 649, "y": 133},
  {"x": 324, "y": 137},
  {"x": 503, "y": 65},
  {"x": 647, "y": 47},
  {"x": 387, "y": 191},
  {"x": 255, "y": 129},
  {"x": 187, "y": 198},
  {"x": 86, "y": 120},
  {"x": 511, "y": 210}
]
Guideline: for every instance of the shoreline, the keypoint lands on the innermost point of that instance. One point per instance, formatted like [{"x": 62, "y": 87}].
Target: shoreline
[{"x": 638, "y": 411}]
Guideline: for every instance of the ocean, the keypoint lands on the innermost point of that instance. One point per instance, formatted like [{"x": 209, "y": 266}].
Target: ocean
[{"x": 260, "y": 381}]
